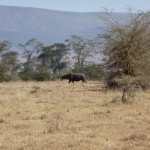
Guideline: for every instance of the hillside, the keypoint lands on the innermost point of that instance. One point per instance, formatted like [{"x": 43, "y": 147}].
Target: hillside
[{"x": 18, "y": 24}]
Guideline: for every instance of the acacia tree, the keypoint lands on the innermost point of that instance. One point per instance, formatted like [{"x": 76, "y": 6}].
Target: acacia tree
[
  {"x": 30, "y": 50},
  {"x": 59, "y": 57},
  {"x": 44, "y": 58},
  {"x": 126, "y": 46},
  {"x": 4, "y": 46},
  {"x": 54, "y": 58},
  {"x": 9, "y": 63},
  {"x": 83, "y": 50}
]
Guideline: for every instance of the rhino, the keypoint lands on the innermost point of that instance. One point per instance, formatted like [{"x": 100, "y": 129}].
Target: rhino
[{"x": 74, "y": 77}]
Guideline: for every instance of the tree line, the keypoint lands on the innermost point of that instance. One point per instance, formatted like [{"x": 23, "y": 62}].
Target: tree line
[
  {"x": 39, "y": 62},
  {"x": 122, "y": 51}
]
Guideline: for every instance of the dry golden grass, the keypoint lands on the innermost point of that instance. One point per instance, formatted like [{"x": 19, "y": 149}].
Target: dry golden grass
[{"x": 57, "y": 115}]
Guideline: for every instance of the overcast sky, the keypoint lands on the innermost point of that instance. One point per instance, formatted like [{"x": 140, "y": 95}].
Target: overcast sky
[{"x": 81, "y": 5}]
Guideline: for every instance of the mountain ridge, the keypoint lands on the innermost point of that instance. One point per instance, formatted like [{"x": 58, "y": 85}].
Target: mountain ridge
[{"x": 19, "y": 24}]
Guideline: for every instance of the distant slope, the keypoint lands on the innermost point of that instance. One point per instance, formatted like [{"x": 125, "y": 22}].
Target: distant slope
[{"x": 18, "y": 24}]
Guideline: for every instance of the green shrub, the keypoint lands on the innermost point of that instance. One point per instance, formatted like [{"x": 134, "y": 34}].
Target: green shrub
[
  {"x": 93, "y": 72},
  {"x": 42, "y": 76},
  {"x": 5, "y": 77}
]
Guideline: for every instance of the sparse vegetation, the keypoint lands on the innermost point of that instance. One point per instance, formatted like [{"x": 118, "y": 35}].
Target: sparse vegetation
[{"x": 58, "y": 115}]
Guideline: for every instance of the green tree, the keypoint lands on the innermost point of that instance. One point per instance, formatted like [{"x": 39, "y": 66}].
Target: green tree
[
  {"x": 59, "y": 53},
  {"x": 83, "y": 50},
  {"x": 54, "y": 57},
  {"x": 4, "y": 46},
  {"x": 8, "y": 61},
  {"x": 30, "y": 51}
]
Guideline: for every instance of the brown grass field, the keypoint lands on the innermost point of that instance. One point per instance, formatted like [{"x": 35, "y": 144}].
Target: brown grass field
[{"x": 60, "y": 116}]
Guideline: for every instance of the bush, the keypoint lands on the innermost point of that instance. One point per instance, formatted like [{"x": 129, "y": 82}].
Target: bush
[
  {"x": 42, "y": 76},
  {"x": 93, "y": 72},
  {"x": 3, "y": 74},
  {"x": 126, "y": 50},
  {"x": 26, "y": 76},
  {"x": 5, "y": 77}
]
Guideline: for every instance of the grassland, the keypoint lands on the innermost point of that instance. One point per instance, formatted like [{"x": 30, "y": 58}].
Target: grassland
[{"x": 61, "y": 116}]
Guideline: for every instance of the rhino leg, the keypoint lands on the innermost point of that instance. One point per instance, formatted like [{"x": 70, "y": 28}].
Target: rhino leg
[
  {"x": 84, "y": 81},
  {"x": 71, "y": 81}
]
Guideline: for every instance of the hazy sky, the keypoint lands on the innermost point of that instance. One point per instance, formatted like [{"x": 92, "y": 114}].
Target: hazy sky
[{"x": 81, "y": 5}]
